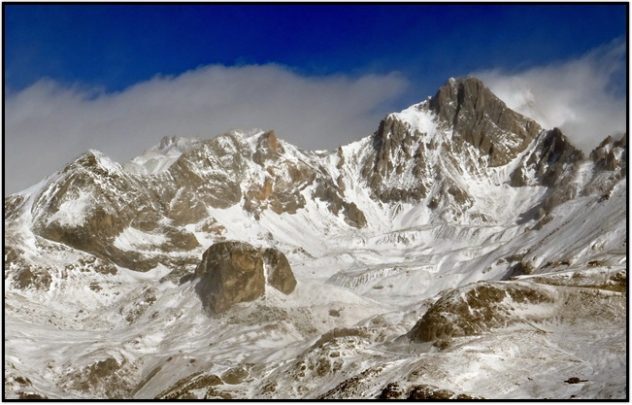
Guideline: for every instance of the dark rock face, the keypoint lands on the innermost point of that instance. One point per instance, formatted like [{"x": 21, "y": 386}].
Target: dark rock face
[
  {"x": 611, "y": 154},
  {"x": 391, "y": 391},
  {"x": 394, "y": 138},
  {"x": 552, "y": 161},
  {"x": 232, "y": 272},
  {"x": 328, "y": 192},
  {"x": 611, "y": 163},
  {"x": 483, "y": 119}
]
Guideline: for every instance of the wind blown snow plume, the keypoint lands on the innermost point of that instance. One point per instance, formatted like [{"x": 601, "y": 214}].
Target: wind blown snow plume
[
  {"x": 48, "y": 122},
  {"x": 579, "y": 96}
]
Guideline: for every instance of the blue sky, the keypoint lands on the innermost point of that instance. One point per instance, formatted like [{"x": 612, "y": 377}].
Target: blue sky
[
  {"x": 117, "y": 78},
  {"x": 117, "y": 46}
]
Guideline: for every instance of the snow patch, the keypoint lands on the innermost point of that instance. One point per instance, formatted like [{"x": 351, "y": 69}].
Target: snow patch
[
  {"x": 72, "y": 213},
  {"x": 132, "y": 238}
]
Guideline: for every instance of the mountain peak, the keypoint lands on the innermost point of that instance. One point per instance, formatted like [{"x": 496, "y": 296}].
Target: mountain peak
[
  {"x": 268, "y": 147},
  {"x": 482, "y": 119},
  {"x": 467, "y": 95},
  {"x": 160, "y": 157},
  {"x": 94, "y": 160}
]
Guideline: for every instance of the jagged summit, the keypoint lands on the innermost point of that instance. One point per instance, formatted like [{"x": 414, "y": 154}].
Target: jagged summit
[
  {"x": 473, "y": 111},
  {"x": 421, "y": 155},
  {"x": 611, "y": 153}
]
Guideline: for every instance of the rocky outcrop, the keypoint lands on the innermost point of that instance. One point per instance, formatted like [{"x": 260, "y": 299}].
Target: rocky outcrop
[
  {"x": 268, "y": 148},
  {"x": 610, "y": 166},
  {"x": 329, "y": 193},
  {"x": 232, "y": 272},
  {"x": 285, "y": 179},
  {"x": 476, "y": 309},
  {"x": 611, "y": 154},
  {"x": 421, "y": 392},
  {"x": 551, "y": 162},
  {"x": 212, "y": 171},
  {"x": 185, "y": 387},
  {"x": 396, "y": 148}
]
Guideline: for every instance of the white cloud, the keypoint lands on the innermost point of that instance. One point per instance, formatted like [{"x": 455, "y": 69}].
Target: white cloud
[
  {"x": 576, "y": 96},
  {"x": 48, "y": 124}
]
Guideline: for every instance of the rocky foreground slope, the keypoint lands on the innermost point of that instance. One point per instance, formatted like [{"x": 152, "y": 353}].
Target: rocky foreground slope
[{"x": 459, "y": 251}]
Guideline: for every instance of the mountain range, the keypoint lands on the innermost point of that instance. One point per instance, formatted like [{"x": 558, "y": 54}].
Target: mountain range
[{"x": 459, "y": 251}]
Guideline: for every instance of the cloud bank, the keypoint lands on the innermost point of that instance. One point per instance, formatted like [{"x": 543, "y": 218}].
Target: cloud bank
[
  {"x": 584, "y": 97},
  {"x": 48, "y": 124}
]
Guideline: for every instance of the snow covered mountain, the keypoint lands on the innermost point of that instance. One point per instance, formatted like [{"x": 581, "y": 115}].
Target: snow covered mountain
[{"x": 460, "y": 250}]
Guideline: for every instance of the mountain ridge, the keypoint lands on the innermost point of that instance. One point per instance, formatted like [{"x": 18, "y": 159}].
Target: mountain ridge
[{"x": 449, "y": 206}]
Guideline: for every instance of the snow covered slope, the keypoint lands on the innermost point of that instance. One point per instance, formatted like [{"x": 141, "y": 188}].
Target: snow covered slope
[{"x": 461, "y": 249}]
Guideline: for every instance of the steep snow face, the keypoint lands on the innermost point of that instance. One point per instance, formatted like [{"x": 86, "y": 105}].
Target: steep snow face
[
  {"x": 457, "y": 214},
  {"x": 418, "y": 118}
]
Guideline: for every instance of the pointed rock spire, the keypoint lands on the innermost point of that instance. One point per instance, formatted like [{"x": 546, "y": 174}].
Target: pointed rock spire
[{"x": 482, "y": 119}]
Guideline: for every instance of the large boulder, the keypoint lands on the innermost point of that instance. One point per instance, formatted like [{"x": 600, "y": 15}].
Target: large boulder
[{"x": 232, "y": 272}]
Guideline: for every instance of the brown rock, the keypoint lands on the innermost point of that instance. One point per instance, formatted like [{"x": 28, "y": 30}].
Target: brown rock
[
  {"x": 327, "y": 191},
  {"x": 26, "y": 278},
  {"x": 234, "y": 375},
  {"x": 556, "y": 152},
  {"x": 393, "y": 138},
  {"x": 268, "y": 148},
  {"x": 230, "y": 272},
  {"x": 183, "y": 388},
  {"x": 474, "y": 309},
  {"x": 425, "y": 392},
  {"x": 391, "y": 391},
  {"x": 605, "y": 157},
  {"x": 280, "y": 274},
  {"x": 233, "y": 272}
]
